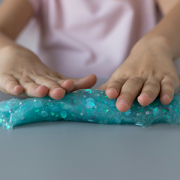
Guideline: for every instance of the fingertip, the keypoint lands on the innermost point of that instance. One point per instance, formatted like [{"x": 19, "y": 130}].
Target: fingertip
[
  {"x": 91, "y": 75},
  {"x": 42, "y": 91},
  {"x": 123, "y": 105},
  {"x": 85, "y": 82},
  {"x": 144, "y": 100},
  {"x": 57, "y": 93},
  {"x": 18, "y": 90},
  {"x": 112, "y": 93},
  {"x": 68, "y": 85},
  {"x": 95, "y": 77},
  {"x": 165, "y": 99}
]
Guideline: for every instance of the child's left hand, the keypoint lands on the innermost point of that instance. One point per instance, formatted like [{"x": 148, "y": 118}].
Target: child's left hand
[{"x": 149, "y": 70}]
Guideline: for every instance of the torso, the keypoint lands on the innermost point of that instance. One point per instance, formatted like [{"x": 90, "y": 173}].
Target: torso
[{"x": 81, "y": 37}]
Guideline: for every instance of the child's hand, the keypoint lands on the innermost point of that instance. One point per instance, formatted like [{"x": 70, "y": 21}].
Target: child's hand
[
  {"x": 149, "y": 70},
  {"x": 22, "y": 71}
]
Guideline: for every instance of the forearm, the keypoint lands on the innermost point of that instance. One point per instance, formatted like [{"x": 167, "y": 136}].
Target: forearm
[
  {"x": 14, "y": 15},
  {"x": 6, "y": 41},
  {"x": 168, "y": 30}
]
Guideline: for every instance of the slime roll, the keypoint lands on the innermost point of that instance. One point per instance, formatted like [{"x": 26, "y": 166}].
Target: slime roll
[{"x": 86, "y": 105}]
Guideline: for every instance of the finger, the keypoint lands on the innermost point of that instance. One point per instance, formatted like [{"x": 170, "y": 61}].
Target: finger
[
  {"x": 129, "y": 91},
  {"x": 114, "y": 87},
  {"x": 66, "y": 84},
  {"x": 55, "y": 90},
  {"x": 4, "y": 91},
  {"x": 84, "y": 83},
  {"x": 10, "y": 85},
  {"x": 168, "y": 87},
  {"x": 149, "y": 92},
  {"x": 33, "y": 89},
  {"x": 103, "y": 86}
]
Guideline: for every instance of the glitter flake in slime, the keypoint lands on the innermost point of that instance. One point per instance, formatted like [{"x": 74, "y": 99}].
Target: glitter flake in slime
[{"x": 86, "y": 105}]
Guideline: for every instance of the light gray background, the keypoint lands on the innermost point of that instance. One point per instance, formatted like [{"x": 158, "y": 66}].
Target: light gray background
[{"x": 85, "y": 151}]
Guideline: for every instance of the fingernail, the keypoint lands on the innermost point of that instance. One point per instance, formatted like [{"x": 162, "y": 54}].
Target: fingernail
[
  {"x": 165, "y": 96},
  {"x": 38, "y": 87},
  {"x": 146, "y": 94},
  {"x": 55, "y": 89},
  {"x": 17, "y": 86},
  {"x": 112, "y": 89},
  {"x": 123, "y": 101},
  {"x": 64, "y": 82}
]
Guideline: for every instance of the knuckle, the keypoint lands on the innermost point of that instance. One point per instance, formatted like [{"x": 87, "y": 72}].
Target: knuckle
[
  {"x": 46, "y": 81},
  {"x": 8, "y": 86},
  {"x": 53, "y": 83},
  {"x": 10, "y": 83},
  {"x": 25, "y": 80},
  {"x": 169, "y": 87},
  {"x": 151, "y": 93},
  {"x": 127, "y": 95},
  {"x": 7, "y": 80},
  {"x": 169, "y": 92},
  {"x": 153, "y": 84},
  {"x": 42, "y": 78},
  {"x": 111, "y": 87},
  {"x": 113, "y": 84},
  {"x": 173, "y": 82},
  {"x": 169, "y": 83},
  {"x": 56, "y": 74},
  {"x": 119, "y": 81},
  {"x": 134, "y": 80},
  {"x": 57, "y": 80}
]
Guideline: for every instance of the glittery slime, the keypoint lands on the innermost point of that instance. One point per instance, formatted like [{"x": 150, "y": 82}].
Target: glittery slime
[{"x": 86, "y": 105}]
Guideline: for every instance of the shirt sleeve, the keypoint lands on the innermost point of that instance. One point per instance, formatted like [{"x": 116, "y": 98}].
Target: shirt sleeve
[{"x": 35, "y": 4}]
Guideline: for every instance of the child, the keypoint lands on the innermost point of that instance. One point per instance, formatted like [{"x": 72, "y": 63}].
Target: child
[{"x": 118, "y": 39}]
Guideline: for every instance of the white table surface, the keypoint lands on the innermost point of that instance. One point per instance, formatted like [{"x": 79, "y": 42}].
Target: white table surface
[{"x": 86, "y": 151}]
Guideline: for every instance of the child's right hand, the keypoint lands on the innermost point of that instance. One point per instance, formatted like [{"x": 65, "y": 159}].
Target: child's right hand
[{"x": 21, "y": 72}]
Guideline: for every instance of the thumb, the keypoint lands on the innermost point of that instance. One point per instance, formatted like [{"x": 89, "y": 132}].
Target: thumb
[{"x": 85, "y": 82}]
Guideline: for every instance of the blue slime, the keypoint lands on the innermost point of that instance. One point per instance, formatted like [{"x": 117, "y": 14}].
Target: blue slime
[{"x": 86, "y": 105}]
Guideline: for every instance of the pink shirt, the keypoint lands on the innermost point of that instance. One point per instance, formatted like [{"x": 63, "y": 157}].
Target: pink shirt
[{"x": 81, "y": 37}]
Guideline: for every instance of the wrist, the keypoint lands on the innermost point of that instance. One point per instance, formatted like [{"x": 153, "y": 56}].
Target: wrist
[
  {"x": 12, "y": 48},
  {"x": 153, "y": 43},
  {"x": 17, "y": 51}
]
